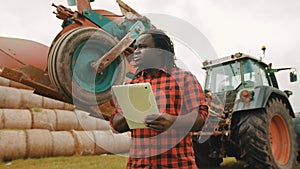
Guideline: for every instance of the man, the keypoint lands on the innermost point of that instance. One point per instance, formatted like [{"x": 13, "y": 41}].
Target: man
[{"x": 167, "y": 142}]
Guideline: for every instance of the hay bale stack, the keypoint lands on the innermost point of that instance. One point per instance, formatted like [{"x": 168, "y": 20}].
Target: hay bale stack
[
  {"x": 9, "y": 83},
  {"x": 63, "y": 143},
  {"x": 22, "y": 99},
  {"x": 108, "y": 142},
  {"x": 16, "y": 119},
  {"x": 39, "y": 143},
  {"x": 43, "y": 119},
  {"x": 53, "y": 120},
  {"x": 84, "y": 142},
  {"x": 12, "y": 144}
]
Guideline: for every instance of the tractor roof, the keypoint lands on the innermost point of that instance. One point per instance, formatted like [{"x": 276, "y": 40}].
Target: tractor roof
[{"x": 227, "y": 59}]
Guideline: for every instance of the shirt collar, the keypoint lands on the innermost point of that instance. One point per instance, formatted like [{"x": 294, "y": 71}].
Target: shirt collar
[{"x": 156, "y": 74}]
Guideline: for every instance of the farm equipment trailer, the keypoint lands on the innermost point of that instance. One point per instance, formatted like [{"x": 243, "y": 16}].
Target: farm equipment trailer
[{"x": 86, "y": 58}]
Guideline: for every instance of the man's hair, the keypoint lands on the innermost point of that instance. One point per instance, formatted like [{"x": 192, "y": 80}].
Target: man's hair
[{"x": 163, "y": 41}]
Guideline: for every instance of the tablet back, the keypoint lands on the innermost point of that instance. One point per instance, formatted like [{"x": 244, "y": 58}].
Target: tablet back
[{"x": 136, "y": 101}]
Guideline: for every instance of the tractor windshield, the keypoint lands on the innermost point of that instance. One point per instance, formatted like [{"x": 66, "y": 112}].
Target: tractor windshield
[
  {"x": 223, "y": 78},
  {"x": 229, "y": 76}
]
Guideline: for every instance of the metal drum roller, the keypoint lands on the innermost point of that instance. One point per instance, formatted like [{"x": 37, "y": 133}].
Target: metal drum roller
[{"x": 70, "y": 66}]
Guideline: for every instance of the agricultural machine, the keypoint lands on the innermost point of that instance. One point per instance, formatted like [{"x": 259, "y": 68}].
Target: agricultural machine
[
  {"x": 85, "y": 59},
  {"x": 250, "y": 118}
]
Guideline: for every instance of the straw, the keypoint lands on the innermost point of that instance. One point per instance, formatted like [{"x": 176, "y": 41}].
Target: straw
[
  {"x": 12, "y": 144},
  {"x": 43, "y": 119},
  {"x": 63, "y": 143},
  {"x": 84, "y": 142},
  {"x": 16, "y": 119},
  {"x": 39, "y": 143}
]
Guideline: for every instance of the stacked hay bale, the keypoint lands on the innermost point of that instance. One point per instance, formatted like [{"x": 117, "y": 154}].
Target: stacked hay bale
[{"x": 33, "y": 126}]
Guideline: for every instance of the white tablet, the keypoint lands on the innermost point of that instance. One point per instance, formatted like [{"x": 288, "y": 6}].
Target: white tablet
[{"x": 136, "y": 101}]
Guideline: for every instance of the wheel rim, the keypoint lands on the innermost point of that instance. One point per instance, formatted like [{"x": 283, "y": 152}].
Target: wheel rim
[
  {"x": 280, "y": 139},
  {"x": 85, "y": 75}
]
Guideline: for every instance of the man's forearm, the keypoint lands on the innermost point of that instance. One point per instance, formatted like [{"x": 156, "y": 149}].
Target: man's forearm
[
  {"x": 189, "y": 122},
  {"x": 119, "y": 123},
  {"x": 193, "y": 120}
]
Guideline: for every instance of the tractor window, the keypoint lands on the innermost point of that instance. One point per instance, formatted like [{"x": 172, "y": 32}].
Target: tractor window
[
  {"x": 264, "y": 77},
  {"x": 253, "y": 74},
  {"x": 223, "y": 78},
  {"x": 228, "y": 76}
]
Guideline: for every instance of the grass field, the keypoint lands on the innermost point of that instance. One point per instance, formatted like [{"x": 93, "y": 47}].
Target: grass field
[{"x": 88, "y": 162}]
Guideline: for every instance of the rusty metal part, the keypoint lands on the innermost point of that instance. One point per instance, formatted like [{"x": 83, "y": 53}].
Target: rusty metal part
[
  {"x": 111, "y": 55},
  {"x": 81, "y": 21},
  {"x": 17, "y": 52},
  {"x": 125, "y": 9},
  {"x": 12, "y": 56},
  {"x": 35, "y": 78},
  {"x": 66, "y": 14},
  {"x": 62, "y": 12},
  {"x": 83, "y": 4}
]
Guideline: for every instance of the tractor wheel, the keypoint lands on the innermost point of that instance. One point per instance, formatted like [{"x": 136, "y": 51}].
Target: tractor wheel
[
  {"x": 267, "y": 138},
  {"x": 202, "y": 155},
  {"x": 70, "y": 66}
]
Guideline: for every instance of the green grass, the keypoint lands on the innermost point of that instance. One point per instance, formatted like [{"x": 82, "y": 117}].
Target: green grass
[{"x": 88, "y": 162}]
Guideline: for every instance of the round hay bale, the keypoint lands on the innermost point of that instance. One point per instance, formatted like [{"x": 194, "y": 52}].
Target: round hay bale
[
  {"x": 4, "y": 81},
  {"x": 43, "y": 119},
  {"x": 1, "y": 119},
  {"x": 10, "y": 83},
  {"x": 30, "y": 100},
  {"x": 66, "y": 120},
  {"x": 12, "y": 144},
  {"x": 85, "y": 122},
  {"x": 17, "y": 119},
  {"x": 108, "y": 142},
  {"x": 55, "y": 104},
  {"x": 39, "y": 143},
  {"x": 63, "y": 143},
  {"x": 10, "y": 97},
  {"x": 19, "y": 85},
  {"x": 84, "y": 142},
  {"x": 102, "y": 124}
]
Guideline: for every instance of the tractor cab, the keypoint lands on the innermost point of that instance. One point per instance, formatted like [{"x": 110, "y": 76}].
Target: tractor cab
[{"x": 239, "y": 71}]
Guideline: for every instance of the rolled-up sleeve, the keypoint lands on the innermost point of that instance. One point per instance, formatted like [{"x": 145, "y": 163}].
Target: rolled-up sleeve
[{"x": 194, "y": 99}]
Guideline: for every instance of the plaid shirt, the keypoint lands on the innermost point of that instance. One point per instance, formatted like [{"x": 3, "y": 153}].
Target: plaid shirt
[{"x": 176, "y": 93}]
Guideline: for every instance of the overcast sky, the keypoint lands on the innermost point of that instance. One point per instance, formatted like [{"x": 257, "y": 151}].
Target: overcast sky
[{"x": 229, "y": 26}]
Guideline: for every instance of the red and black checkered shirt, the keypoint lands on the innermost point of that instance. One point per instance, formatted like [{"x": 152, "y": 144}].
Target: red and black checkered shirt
[{"x": 177, "y": 93}]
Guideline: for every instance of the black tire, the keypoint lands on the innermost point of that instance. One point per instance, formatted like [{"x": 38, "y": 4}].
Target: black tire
[
  {"x": 266, "y": 138},
  {"x": 84, "y": 87},
  {"x": 202, "y": 152}
]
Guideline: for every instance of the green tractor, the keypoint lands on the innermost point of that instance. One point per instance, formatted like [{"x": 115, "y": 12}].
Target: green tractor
[{"x": 250, "y": 117}]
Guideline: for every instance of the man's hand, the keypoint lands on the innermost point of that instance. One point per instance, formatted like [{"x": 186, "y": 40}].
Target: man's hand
[{"x": 159, "y": 122}]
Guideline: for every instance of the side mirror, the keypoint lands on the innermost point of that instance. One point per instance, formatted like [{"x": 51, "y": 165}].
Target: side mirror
[{"x": 293, "y": 76}]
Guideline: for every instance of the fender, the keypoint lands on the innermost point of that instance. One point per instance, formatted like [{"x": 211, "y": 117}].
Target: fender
[{"x": 261, "y": 95}]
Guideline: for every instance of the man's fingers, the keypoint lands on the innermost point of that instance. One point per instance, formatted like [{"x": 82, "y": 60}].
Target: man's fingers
[
  {"x": 152, "y": 117},
  {"x": 154, "y": 122},
  {"x": 154, "y": 127}
]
